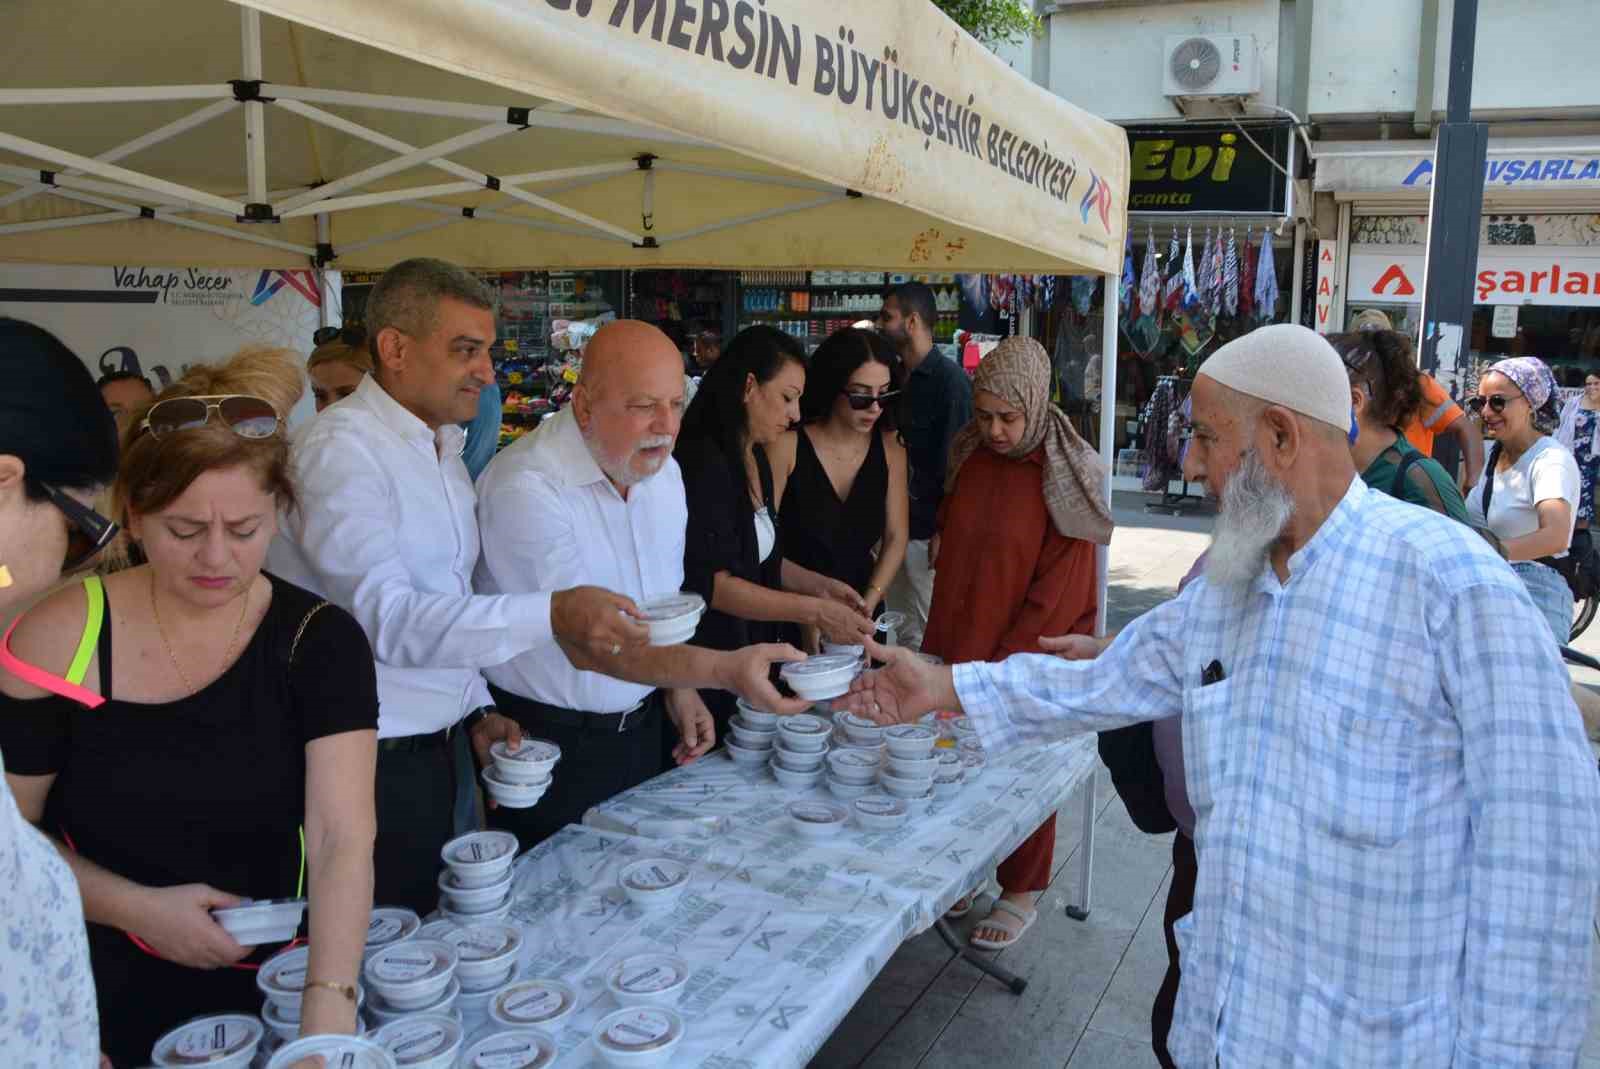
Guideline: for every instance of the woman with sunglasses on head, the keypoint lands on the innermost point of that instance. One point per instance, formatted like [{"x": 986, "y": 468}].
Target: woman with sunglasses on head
[
  {"x": 1528, "y": 493},
  {"x": 1385, "y": 392},
  {"x": 1023, "y": 509},
  {"x": 845, "y": 509},
  {"x": 58, "y": 448},
  {"x": 736, "y": 450},
  {"x": 196, "y": 732}
]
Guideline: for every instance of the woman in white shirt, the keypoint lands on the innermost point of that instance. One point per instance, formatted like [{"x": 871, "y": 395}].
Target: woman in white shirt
[
  {"x": 58, "y": 448},
  {"x": 1531, "y": 482}
]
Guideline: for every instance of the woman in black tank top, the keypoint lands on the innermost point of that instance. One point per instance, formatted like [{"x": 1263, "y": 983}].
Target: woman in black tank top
[{"x": 845, "y": 507}]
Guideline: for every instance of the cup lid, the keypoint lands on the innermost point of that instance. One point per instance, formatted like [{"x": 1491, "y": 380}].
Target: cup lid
[
  {"x": 818, "y": 813},
  {"x": 351, "y": 1052},
  {"x": 479, "y": 848},
  {"x": 910, "y": 732},
  {"x": 851, "y": 720},
  {"x": 803, "y": 724},
  {"x": 863, "y": 759},
  {"x": 640, "y": 1029},
  {"x": 421, "y": 1038},
  {"x": 814, "y": 666},
  {"x": 648, "y": 974},
  {"x": 284, "y": 974},
  {"x": 263, "y": 907},
  {"x": 532, "y": 751},
  {"x": 416, "y": 961},
  {"x": 391, "y": 924},
  {"x": 206, "y": 1039},
  {"x": 655, "y": 874},
  {"x": 533, "y": 1002},
  {"x": 880, "y": 805},
  {"x": 524, "y": 1048},
  {"x": 672, "y": 607},
  {"x": 484, "y": 942}
]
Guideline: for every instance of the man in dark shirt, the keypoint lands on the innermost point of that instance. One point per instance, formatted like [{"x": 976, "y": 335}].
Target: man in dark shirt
[{"x": 937, "y": 404}]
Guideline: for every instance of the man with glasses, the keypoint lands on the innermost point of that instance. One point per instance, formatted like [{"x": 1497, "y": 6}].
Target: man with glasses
[
  {"x": 594, "y": 497},
  {"x": 937, "y": 404},
  {"x": 387, "y": 528}
]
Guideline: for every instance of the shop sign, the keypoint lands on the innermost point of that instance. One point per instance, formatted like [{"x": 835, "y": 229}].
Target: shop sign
[
  {"x": 1505, "y": 321},
  {"x": 1207, "y": 168},
  {"x": 1552, "y": 275},
  {"x": 1511, "y": 167},
  {"x": 1327, "y": 262}
]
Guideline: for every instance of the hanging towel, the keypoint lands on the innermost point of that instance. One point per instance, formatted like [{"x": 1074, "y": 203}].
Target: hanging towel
[
  {"x": 1150, "y": 277},
  {"x": 1230, "y": 276},
  {"x": 1266, "y": 281},
  {"x": 1191, "y": 285},
  {"x": 1247, "y": 276}
]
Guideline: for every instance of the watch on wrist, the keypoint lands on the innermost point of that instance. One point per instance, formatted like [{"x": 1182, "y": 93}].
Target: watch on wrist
[{"x": 474, "y": 718}]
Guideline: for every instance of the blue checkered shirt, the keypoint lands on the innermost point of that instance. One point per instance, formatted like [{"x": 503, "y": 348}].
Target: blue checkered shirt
[{"x": 1397, "y": 809}]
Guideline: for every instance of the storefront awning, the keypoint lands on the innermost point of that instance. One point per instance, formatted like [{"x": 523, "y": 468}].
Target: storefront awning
[
  {"x": 541, "y": 133},
  {"x": 1515, "y": 166}
]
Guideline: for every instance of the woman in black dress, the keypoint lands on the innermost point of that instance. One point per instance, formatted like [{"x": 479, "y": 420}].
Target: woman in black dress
[
  {"x": 845, "y": 510},
  {"x": 736, "y": 451},
  {"x": 220, "y": 741}
]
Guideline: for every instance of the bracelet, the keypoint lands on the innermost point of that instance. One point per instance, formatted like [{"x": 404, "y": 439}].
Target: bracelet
[{"x": 347, "y": 990}]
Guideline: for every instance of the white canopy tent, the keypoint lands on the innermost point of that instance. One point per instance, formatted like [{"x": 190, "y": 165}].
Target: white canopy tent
[{"x": 546, "y": 133}]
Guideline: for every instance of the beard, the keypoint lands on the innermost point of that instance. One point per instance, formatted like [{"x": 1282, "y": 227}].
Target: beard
[
  {"x": 627, "y": 470},
  {"x": 1255, "y": 509}
]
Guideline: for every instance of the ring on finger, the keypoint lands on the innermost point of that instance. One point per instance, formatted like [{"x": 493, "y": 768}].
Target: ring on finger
[{"x": 616, "y": 648}]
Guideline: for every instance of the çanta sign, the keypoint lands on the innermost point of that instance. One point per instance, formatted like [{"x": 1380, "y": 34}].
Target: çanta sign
[
  {"x": 1207, "y": 168},
  {"x": 1558, "y": 275}
]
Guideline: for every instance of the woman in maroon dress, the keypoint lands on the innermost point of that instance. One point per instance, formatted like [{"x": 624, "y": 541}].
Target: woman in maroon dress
[{"x": 1023, "y": 510}]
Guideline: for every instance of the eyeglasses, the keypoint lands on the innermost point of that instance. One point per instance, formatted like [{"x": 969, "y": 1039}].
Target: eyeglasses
[
  {"x": 90, "y": 532},
  {"x": 246, "y": 416},
  {"x": 1497, "y": 403},
  {"x": 354, "y": 335},
  {"x": 860, "y": 402}
]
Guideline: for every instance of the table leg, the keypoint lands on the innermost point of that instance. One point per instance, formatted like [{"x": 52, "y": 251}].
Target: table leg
[
  {"x": 1015, "y": 983},
  {"x": 1085, "y": 850}
]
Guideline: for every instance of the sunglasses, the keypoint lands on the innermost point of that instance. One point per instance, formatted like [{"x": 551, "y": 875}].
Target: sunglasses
[
  {"x": 246, "y": 416},
  {"x": 1357, "y": 358},
  {"x": 1496, "y": 402},
  {"x": 355, "y": 335},
  {"x": 90, "y": 532},
  {"x": 860, "y": 402}
]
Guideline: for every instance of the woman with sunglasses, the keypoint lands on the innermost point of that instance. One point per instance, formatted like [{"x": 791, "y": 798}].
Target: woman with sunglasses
[
  {"x": 1528, "y": 493},
  {"x": 845, "y": 509},
  {"x": 214, "y": 738},
  {"x": 736, "y": 449},
  {"x": 1385, "y": 392},
  {"x": 58, "y": 447},
  {"x": 1023, "y": 510}
]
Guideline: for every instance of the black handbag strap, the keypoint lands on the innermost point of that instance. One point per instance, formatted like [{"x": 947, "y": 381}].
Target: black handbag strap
[{"x": 1488, "y": 479}]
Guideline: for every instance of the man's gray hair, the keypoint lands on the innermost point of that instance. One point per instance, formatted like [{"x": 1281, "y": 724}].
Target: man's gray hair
[{"x": 407, "y": 297}]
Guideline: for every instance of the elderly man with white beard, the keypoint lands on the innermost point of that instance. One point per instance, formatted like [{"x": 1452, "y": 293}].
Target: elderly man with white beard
[
  {"x": 594, "y": 498},
  {"x": 1396, "y": 808}
]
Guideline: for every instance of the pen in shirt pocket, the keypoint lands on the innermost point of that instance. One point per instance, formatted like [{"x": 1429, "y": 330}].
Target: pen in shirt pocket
[{"x": 1212, "y": 673}]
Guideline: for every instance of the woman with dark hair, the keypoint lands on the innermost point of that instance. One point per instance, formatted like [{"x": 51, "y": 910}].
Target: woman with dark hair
[
  {"x": 1579, "y": 431},
  {"x": 847, "y": 496},
  {"x": 1385, "y": 393},
  {"x": 58, "y": 448},
  {"x": 736, "y": 451},
  {"x": 215, "y": 736}
]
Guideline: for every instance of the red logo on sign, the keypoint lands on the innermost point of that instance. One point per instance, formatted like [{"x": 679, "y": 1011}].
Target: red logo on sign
[{"x": 1403, "y": 286}]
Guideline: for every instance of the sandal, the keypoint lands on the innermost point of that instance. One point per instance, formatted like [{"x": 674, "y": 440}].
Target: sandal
[
  {"x": 1013, "y": 924},
  {"x": 963, "y": 905}
]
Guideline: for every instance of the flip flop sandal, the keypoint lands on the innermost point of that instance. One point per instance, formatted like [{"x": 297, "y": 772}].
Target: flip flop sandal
[
  {"x": 961, "y": 907},
  {"x": 1014, "y": 927}
]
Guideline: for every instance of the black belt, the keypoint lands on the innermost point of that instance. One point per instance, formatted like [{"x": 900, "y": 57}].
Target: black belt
[
  {"x": 531, "y": 714},
  {"x": 437, "y": 740}
]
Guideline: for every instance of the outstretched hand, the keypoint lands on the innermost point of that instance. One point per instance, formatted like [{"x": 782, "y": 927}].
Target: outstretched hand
[
  {"x": 905, "y": 688},
  {"x": 1074, "y": 647},
  {"x": 748, "y": 673}
]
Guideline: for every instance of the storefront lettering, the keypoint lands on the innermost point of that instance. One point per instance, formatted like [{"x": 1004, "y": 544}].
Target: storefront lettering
[
  {"x": 1206, "y": 168},
  {"x": 1509, "y": 172},
  {"x": 1187, "y": 161},
  {"x": 1552, "y": 281}
]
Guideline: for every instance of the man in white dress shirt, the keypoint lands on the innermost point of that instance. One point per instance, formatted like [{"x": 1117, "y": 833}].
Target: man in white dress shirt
[
  {"x": 387, "y": 528},
  {"x": 595, "y": 497}
]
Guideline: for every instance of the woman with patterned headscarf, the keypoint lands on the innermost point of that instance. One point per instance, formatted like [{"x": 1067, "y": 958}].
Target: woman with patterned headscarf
[
  {"x": 1528, "y": 494},
  {"x": 1023, "y": 510}
]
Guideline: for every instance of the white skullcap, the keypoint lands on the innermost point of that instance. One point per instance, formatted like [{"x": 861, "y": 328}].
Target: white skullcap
[{"x": 1289, "y": 365}]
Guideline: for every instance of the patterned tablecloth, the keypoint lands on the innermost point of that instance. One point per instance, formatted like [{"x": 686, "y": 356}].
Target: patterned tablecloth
[{"x": 782, "y": 935}]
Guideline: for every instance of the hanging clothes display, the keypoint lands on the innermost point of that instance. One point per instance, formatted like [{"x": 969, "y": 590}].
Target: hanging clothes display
[
  {"x": 1266, "y": 281},
  {"x": 1154, "y": 419},
  {"x": 1230, "y": 276},
  {"x": 1126, "y": 287},
  {"x": 1191, "y": 285},
  {"x": 1172, "y": 286},
  {"x": 1247, "y": 276},
  {"x": 1149, "y": 277},
  {"x": 1214, "y": 278}
]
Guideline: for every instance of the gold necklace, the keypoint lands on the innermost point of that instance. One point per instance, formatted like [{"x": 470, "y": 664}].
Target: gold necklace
[{"x": 155, "y": 609}]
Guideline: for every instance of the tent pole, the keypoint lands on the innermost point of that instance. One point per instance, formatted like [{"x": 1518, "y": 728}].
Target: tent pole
[
  {"x": 128, "y": 148},
  {"x": 64, "y": 183},
  {"x": 743, "y": 220},
  {"x": 122, "y": 94},
  {"x": 557, "y": 208},
  {"x": 61, "y": 224},
  {"x": 589, "y": 171},
  {"x": 369, "y": 200},
  {"x": 302, "y": 251},
  {"x": 746, "y": 176},
  {"x": 414, "y": 158},
  {"x": 120, "y": 174},
  {"x": 490, "y": 215},
  {"x": 326, "y": 312},
  {"x": 422, "y": 228},
  {"x": 255, "y": 124}
]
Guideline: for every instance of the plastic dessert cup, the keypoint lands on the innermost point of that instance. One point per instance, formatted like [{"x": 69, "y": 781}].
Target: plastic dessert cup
[
  {"x": 513, "y": 795},
  {"x": 638, "y": 1037},
  {"x": 804, "y": 733},
  {"x": 745, "y": 755},
  {"x": 817, "y": 820},
  {"x": 854, "y": 766},
  {"x": 910, "y": 740},
  {"x": 282, "y": 980},
  {"x": 220, "y": 1041},
  {"x": 342, "y": 1052},
  {"x": 796, "y": 781},
  {"x": 486, "y": 954},
  {"x": 524, "y": 1048},
  {"x": 819, "y": 678},
  {"x": 849, "y": 792},
  {"x": 647, "y": 979},
  {"x": 530, "y": 763},
  {"x": 480, "y": 858},
  {"x": 423, "y": 1041},
  {"x": 749, "y": 735},
  {"x": 880, "y": 812},
  {"x": 912, "y": 766},
  {"x": 254, "y": 923},
  {"x": 533, "y": 1003},
  {"x": 654, "y": 883},
  {"x": 758, "y": 719},
  {"x": 413, "y": 974},
  {"x": 381, "y": 1013},
  {"x": 461, "y": 899},
  {"x": 799, "y": 760},
  {"x": 673, "y": 619}
]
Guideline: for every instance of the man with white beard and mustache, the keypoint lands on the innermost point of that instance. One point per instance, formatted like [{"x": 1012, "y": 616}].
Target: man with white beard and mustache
[
  {"x": 594, "y": 498},
  {"x": 1397, "y": 810}
]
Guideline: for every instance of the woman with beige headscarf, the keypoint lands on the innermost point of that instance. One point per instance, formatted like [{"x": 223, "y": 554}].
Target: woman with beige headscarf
[{"x": 1023, "y": 510}]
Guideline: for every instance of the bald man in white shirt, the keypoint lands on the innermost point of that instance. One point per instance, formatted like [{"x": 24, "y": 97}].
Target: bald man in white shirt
[
  {"x": 386, "y": 527},
  {"x": 594, "y": 497}
]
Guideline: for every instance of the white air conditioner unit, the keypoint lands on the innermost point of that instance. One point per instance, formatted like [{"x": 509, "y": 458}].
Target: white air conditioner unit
[{"x": 1211, "y": 65}]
